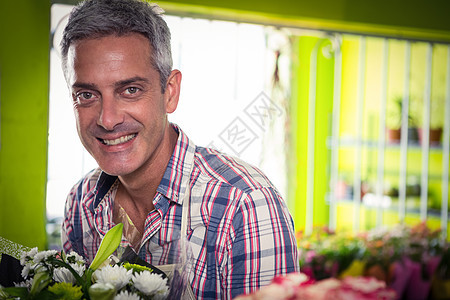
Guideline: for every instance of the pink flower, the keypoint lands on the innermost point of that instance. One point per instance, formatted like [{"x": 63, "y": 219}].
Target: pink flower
[
  {"x": 298, "y": 286},
  {"x": 320, "y": 290},
  {"x": 309, "y": 256},
  {"x": 364, "y": 284}
]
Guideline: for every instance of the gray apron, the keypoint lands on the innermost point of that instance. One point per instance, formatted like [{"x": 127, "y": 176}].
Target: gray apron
[{"x": 188, "y": 294}]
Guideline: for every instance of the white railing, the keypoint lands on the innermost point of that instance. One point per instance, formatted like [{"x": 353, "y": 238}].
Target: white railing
[{"x": 335, "y": 141}]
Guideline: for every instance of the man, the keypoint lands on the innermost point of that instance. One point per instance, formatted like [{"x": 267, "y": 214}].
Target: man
[{"x": 151, "y": 177}]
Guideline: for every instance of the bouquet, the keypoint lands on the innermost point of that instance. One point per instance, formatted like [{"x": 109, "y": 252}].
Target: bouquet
[
  {"x": 298, "y": 286},
  {"x": 56, "y": 275}
]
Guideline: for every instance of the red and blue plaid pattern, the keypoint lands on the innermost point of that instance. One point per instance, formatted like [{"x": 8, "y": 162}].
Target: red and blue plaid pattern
[{"x": 240, "y": 230}]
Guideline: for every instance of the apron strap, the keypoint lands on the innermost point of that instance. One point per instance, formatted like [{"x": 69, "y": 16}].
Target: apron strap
[
  {"x": 185, "y": 210},
  {"x": 185, "y": 215},
  {"x": 186, "y": 200}
]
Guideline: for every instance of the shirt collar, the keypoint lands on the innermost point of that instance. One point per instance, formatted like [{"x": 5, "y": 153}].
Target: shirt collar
[
  {"x": 103, "y": 185},
  {"x": 178, "y": 172},
  {"x": 176, "y": 177}
]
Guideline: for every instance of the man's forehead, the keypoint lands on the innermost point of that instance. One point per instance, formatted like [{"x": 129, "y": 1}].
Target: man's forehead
[
  {"x": 131, "y": 44},
  {"x": 112, "y": 58}
]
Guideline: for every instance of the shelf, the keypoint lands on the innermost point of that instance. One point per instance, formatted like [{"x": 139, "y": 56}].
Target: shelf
[
  {"x": 393, "y": 207},
  {"x": 373, "y": 144}
]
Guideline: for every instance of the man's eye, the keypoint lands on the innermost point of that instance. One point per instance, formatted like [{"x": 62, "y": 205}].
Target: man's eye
[
  {"x": 85, "y": 97},
  {"x": 131, "y": 90}
]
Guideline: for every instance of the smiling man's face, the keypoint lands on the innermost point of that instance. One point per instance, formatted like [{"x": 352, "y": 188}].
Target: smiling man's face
[{"x": 120, "y": 111}]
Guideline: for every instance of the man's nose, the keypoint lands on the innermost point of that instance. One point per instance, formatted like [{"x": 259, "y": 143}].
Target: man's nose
[{"x": 110, "y": 113}]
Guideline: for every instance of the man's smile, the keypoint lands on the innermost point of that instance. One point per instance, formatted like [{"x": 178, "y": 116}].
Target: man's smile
[{"x": 117, "y": 141}]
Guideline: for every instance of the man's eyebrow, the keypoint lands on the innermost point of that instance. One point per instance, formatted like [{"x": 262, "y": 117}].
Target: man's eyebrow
[
  {"x": 131, "y": 80},
  {"x": 92, "y": 86},
  {"x": 83, "y": 85}
]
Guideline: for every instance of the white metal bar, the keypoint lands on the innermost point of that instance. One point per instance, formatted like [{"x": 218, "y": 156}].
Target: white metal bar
[
  {"x": 359, "y": 130},
  {"x": 334, "y": 173},
  {"x": 382, "y": 132},
  {"x": 445, "y": 155},
  {"x": 404, "y": 136},
  {"x": 426, "y": 134}
]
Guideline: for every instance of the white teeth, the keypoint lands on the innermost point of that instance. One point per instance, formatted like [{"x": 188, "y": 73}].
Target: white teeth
[{"x": 120, "y": 140}]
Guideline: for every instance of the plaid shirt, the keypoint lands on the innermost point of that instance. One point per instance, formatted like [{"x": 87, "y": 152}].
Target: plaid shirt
[{"x": 240, "y": 231}]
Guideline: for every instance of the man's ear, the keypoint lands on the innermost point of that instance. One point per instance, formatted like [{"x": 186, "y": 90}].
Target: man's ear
[{"x": 172, "y": 93}]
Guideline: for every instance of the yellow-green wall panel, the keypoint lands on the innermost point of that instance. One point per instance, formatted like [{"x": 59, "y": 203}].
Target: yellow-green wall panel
[{"x": 24, "y": 65}]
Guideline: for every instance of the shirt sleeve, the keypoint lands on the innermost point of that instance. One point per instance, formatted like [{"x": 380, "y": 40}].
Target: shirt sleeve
[
  {"x": 71, "y": 233},
  {"x": 262, "y": 244}
]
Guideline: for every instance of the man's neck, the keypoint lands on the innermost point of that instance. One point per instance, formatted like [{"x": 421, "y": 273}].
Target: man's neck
[{"x": 140, "y": 186}]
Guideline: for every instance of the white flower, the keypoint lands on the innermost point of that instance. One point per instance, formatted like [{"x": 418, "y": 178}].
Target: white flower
[
  {"x": 116, "y": 275},
  {"x": 25, "y": 254},
  {"x": 43, "y": 255},
  {"x": 29, "y": 269},
  {"x": 398, "y": 231},
  {"x": 150, "y": 284},
  {"x": 26, "y": 270},
  {"x": 77, "y": 257},
  {"x": 78, "y": 268},
  {"x": 377, "y": 233},
  {"x": 27, "y": 283},
  {"x": 125, "y": 295},
  {"x": 64, "y": 275}
]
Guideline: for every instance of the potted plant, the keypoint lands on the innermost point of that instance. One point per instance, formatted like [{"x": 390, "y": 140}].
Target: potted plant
[
  {"x": 436, "y": 120},
  {"x": 394, "y": 122}
]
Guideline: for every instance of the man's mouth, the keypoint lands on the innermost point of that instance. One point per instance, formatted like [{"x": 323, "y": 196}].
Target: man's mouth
[{"x": 120, "y": 140}]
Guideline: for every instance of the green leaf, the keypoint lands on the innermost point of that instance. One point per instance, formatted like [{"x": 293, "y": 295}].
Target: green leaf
[
  {"x": 44, "y": 295},
  {"x": 102, "y": 291},
  {"x": 15, "y": 292},
  {"x": 108, "y": 245},
  {"x": 40, "y": 281}
]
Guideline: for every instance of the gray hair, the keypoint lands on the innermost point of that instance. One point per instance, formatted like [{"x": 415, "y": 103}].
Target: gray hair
[{"x": 99, "y": 18}]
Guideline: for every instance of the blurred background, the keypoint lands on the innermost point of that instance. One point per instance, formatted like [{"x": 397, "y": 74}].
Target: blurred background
[{"x": 345, "y": 105}]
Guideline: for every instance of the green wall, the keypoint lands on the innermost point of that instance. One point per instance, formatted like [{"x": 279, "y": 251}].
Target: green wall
[
  {"x": 303, "y": 49},
  {"x": 413, "y": 18},
  {"x": 24, "y": 69}
]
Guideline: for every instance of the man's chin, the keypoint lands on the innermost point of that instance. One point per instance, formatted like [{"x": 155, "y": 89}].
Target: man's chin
[{"x": 116, "y": 170}]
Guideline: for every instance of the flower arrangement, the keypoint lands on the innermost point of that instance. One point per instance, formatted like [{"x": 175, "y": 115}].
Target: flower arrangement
[
  {"x": 299, "y": 286},
  {"x": 382, "y": 247},
  {"x": 325, "y": 254},
  {"x": 417, "y": 244},
  {"x": 406, "y": 258},
  {"x": 424, "y": 243},
  {"x": 56, "y": 275}
]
